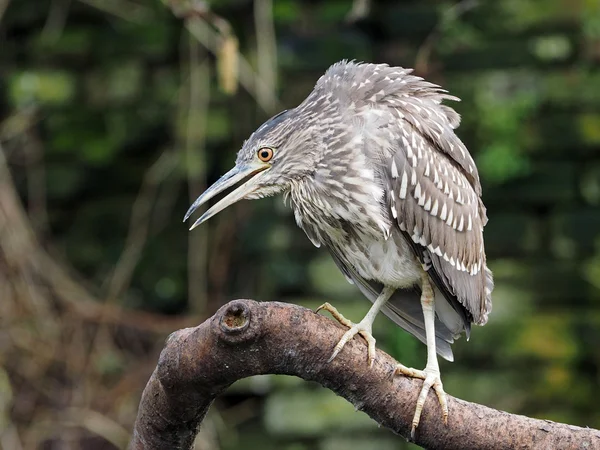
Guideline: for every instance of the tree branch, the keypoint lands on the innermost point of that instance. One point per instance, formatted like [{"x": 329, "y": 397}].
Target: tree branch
[{"x": 247, "y": 338}]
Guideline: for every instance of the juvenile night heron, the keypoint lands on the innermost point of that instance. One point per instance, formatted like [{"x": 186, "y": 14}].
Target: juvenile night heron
[{"x": 376, "y": 174}]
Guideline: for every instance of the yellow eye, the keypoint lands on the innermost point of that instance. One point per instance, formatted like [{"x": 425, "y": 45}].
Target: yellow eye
[{"x": 265, "y": 154}]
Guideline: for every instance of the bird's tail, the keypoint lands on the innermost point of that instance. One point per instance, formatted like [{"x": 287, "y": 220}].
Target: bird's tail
[{"x": 404, "y": 308}]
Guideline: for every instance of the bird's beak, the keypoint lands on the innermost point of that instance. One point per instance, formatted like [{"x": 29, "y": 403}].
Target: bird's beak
[{"x": 227, "y": 181}]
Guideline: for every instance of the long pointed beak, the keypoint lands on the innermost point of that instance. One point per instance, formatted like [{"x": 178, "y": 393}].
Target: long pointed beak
[{"x": 227, "y": 181}]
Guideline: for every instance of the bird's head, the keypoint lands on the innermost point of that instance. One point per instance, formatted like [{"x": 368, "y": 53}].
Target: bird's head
[{"x": 282, "y": 150}]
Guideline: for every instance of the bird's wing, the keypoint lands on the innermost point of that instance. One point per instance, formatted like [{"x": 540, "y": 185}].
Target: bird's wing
[
  {"x": 403, "y": 307},
  {"x": 442, "y": 216},
  {"x": 411, "y": 99}
]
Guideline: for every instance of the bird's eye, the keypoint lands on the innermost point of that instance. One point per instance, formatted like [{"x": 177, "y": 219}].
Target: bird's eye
[{"x": 265, "y": 154}]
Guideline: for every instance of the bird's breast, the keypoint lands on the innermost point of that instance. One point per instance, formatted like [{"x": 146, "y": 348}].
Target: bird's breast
[
  {"x": 342, "y": 206},
  {"x": 389, "y": 261}
]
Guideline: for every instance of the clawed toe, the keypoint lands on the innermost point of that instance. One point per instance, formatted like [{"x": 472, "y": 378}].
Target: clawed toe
[
  {"x": 363, "y": 328},
  {"x": 355, "y": 329},
  {"x": 335, "y": 313},
  {"x": 431, "y": 379}
]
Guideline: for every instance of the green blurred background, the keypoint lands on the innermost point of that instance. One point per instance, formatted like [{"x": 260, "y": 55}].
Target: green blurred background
[{"x": 114, "y": 116}]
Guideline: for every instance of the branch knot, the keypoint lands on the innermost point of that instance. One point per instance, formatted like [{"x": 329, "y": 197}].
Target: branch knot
[{"x": 236, "y": 322}]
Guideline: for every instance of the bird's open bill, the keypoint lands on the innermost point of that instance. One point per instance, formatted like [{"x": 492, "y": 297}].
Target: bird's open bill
[{"x": 230, "y": 179}]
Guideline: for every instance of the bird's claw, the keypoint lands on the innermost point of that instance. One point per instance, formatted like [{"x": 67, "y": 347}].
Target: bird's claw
[
  {"x": 364, "y": 329},
  {"x": 431, "y": 379},
  {"x": 365, "y": 332}
]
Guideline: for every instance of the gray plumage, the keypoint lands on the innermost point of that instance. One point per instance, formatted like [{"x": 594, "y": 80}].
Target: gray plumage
[{"x": 375, "y": 173}]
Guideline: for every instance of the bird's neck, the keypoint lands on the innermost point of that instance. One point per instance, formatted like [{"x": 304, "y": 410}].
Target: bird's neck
[{"x": 339, "y": 193}]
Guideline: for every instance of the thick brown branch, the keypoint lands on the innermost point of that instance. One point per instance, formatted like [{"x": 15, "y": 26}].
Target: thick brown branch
[{"x": 248, "y": 338}]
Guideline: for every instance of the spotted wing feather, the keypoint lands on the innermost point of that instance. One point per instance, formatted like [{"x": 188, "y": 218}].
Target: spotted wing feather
[
  {"x": 413, "y": 101},
  {"x": 441, "y": 213}
]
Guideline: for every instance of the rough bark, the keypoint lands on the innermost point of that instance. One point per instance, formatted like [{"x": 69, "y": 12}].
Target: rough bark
[{"x": 247, "y": 338}]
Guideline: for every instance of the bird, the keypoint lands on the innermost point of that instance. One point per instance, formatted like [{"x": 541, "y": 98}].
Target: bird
[{"x": 375, "y": 173}]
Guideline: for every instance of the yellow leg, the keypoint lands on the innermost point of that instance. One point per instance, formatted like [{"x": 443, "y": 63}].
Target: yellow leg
[
  {"x": 364, "y": 327},
  {"x": 431, "y": 374}
]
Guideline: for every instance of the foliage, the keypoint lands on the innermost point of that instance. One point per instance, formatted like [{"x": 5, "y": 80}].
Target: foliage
[{"x": 115, "y": 115}]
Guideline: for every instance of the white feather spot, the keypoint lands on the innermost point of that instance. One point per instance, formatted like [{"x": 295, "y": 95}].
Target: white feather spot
[
  {"x": 394, "y": 212},
  {"x": 416, "y": 239},
  {"x": 403, "y": 184},
  {"x": 427, "y": 169},
  {"x": 444, "y": 212},
  {"x": 450, "y": 215},
  {"x": 418, "y": 191},
  {"x": 434, "y": 210},
  {"x": 461, "y": 223},
  {"x": 413, "y": 177},
  {"x": 428, "y": 204},
  {"x": 394, "y": 169},
  {"x": 469, "y": 223}
]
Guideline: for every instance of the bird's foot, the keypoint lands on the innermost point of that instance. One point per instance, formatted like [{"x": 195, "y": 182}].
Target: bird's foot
[
  {"x": 363, "y": 328},
  {"x": 431, "y": 379}
]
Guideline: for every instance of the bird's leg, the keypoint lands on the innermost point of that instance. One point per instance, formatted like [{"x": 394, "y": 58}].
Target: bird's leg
[
  {"x": 364, "y": 327},
  {"x": 431, "y": 374}
]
